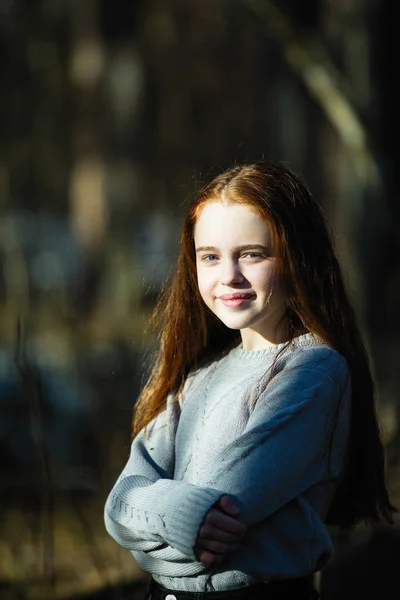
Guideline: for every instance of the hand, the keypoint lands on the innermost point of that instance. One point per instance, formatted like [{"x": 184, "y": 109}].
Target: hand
[{"x": 221, "y": 533}]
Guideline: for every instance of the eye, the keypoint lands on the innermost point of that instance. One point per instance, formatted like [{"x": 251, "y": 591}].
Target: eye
[
  {"x": 209, "y": 258},
  {"x": 253, "y": 255}
]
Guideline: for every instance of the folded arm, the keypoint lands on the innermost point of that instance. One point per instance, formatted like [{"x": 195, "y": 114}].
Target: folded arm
[
  {"x": 296, "y": 437},
  {"x": 147, "y": 510},
  {"x": 284, "y": 450}
]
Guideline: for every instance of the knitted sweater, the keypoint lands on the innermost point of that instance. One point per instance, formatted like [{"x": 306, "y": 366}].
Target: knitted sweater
[{"x": 276, "y": 447}]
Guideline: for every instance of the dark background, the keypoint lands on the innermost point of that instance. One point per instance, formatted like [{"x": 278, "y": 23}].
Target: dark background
[{"x": 112, "y": 114}]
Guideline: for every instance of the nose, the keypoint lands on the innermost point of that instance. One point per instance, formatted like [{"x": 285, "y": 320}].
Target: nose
[{"x": 231, "y": 272}]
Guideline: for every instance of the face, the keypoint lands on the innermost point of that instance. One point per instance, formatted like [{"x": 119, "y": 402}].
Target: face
[{"x": 236, "y": 272}]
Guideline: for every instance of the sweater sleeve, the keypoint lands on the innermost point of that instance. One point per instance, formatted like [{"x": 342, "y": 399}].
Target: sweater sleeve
[
  {"x": 147, "y": 509},
  {"x": 296, "y": 437}
]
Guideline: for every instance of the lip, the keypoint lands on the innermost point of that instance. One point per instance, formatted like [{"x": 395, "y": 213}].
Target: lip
[
  {"x": 236, "y": 296},
  {"x": 235, "y": 300}
]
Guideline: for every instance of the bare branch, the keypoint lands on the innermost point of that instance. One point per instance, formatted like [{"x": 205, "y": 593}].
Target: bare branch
[{"x": 312, "y": 64}]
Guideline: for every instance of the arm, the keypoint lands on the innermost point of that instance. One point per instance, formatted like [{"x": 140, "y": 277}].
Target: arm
[
  {"x": 296, "y": 436},
  {"x": 286, "y": 446},
  {"x": 283, "y": 451},
  {"x": 147, "y": 510}
]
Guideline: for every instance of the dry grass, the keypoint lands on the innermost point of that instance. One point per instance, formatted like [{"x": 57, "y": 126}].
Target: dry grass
[
  {"x": 65, "y": 551},
  {"x": 65, "y": 554}
]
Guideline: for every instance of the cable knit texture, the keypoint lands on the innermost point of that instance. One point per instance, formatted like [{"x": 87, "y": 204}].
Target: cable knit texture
[{"x": 276, "y": 445}]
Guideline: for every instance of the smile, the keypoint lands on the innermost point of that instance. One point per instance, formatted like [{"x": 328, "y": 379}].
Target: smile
[{"x": 235, "y": 300}]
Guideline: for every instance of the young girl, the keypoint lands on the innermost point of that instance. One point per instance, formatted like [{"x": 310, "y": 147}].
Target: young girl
[{"x": 257, "y": 426}]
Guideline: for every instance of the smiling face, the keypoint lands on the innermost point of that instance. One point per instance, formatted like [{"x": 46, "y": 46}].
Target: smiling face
[{"x": 237, "y": 274}]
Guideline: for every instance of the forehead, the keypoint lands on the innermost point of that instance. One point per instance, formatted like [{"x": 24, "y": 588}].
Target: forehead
[{"x": 230, "y": 222}]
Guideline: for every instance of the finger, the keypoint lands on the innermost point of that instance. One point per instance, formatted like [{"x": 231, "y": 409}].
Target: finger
[
  {"x": 216, "y": 518},
  {"x": 212, "y": 533},
  {"x": 217, "y": 547},
  {"x": 228, "y": 505},
  {"x": 209, "y": 558}
]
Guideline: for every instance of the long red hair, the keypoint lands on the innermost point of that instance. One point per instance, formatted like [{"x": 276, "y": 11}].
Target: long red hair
[{"x": 317, "y": 301}]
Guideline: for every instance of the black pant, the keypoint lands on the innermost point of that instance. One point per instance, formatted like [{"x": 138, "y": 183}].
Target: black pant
[{"x": 288, "y": 589}]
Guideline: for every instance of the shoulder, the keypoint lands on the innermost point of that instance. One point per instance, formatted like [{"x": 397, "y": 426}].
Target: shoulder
[
  {"x": 198, "y": 377},
  {"x": 313, "y": 357}
]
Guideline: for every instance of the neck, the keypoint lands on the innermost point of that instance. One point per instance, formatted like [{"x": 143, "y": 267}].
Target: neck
[{"x": 253, "y": 340}]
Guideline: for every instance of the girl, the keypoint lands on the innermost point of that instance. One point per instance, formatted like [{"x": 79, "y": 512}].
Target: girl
[{"x": 257, "y": 426}]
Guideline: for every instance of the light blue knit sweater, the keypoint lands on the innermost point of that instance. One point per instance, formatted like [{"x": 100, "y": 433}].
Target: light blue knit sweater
[{"x": 277, "y": 449}]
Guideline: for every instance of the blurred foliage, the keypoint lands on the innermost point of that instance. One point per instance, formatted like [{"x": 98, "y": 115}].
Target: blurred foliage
[{"x": 113, "y": 113}]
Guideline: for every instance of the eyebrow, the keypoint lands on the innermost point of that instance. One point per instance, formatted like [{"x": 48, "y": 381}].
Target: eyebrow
[{"x": 237, "y": 248}]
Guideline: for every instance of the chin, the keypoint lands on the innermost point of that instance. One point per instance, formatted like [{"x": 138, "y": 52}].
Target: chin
[
  {"x": 234, "y": 324},
  {"x": 233, "y": 327}
]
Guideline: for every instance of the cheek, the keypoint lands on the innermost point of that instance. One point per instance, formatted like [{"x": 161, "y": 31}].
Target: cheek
[
  {"x": 272, "y": 282},
  {"x": 278, "y": 286},
  {"x": 203, "y": 283}
]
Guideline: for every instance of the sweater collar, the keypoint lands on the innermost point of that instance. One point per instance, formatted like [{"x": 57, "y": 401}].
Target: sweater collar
[{"x": 307, "y": 339}]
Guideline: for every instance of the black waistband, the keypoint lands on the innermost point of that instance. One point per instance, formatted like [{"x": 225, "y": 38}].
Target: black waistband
[{"x": 298, "y": 589}]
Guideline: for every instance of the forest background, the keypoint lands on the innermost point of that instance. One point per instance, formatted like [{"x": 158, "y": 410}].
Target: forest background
[{"x": 112, "y": 114}]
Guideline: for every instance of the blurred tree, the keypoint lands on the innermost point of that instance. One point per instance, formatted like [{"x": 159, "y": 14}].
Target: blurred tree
[{"x": 113, "y": 113}]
